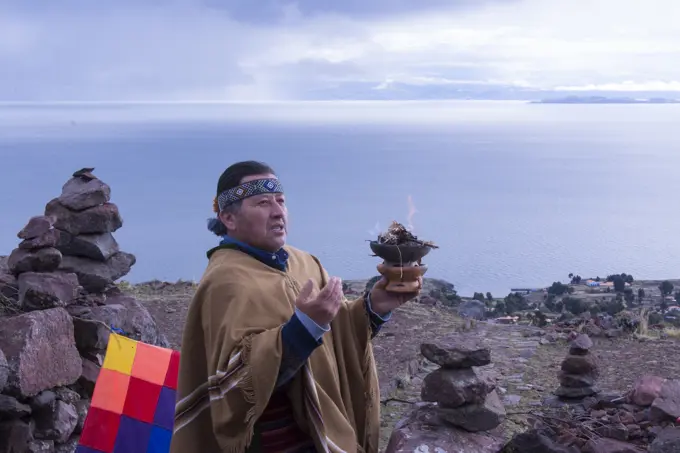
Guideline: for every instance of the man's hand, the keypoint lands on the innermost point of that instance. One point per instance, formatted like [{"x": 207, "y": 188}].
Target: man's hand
[
  {"x": 383, "y": 301},
  {"x": 321, "y": 307}
]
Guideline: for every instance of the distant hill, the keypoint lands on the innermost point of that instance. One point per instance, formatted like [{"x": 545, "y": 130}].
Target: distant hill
[{"x": 604, "y": 100}]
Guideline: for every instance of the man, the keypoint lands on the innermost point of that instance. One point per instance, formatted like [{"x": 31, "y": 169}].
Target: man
[{"x": 274, "y": 358}]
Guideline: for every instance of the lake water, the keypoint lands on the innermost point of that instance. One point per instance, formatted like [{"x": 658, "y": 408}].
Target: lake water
[{"x": 514, "y": 194}]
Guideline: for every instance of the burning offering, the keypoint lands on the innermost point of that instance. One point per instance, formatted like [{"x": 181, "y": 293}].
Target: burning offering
[{"x": 402, "y": 255}]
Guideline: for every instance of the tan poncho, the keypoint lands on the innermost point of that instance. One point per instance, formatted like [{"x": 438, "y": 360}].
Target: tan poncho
[{"x": 231, "y": 353}]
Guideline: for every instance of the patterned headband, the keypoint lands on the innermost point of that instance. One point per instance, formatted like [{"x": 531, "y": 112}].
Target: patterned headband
[{"x": 245, "y": 190}]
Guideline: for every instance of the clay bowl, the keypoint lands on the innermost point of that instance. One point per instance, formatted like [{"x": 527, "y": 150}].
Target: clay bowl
[{"x": 400, "y": 253}]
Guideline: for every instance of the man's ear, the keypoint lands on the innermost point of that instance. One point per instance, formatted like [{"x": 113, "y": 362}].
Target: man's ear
[{"x": 228, "y": 219}]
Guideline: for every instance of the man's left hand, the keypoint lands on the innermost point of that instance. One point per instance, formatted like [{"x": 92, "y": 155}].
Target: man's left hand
[{"x": 383, "y": 301}]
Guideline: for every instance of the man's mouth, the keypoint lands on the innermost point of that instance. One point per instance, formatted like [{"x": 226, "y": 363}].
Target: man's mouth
[{"x": 278, "y": 228}]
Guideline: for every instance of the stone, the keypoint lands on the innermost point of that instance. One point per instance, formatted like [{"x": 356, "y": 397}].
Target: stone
[
  {"x": 66, "y": 395},
  {"x": 40, "y": 351},
  {"x": 581, "y": 345},
  {"x": 40, "y": 446},
  {"x": 123, "y": 312},
  {"x": 533, "y": 441},
  {"x": 575, "y": 380},
  {"x": 667, "y": 441},
  {"x": 49, "y": 239},
  {"x": 95, "y": 276},
  {"x": 56, "y": 422},
  {"x": 453, "y": 388},
  {"x": 11, "y": 408},
  {"x": 99, "y": 247},
  {"x": 476, "y": 417},
  {"x": 44, "y": 399},
  {"x": 575, "y": 392},
  {"x": 79, "y": 194},
  {"x": 455, "y": 355},
  {"x": 580, "y": 364},
  {"x": 88, "y": 377},
  {"x": 104, "y": 218},
  {"x": 646, "y": 390},
  {"x": 8, "y": 287},
  {"x": 41, "y": 290},
  {"x": 616, "y": 431},
  {"x": 606, "y": 445},
  {"x": 422, "y": 431},
  {"x": 41, "y": 260},
  {"x": 14, "y": 436},
  {"x": 4, "y": 371},
  {"x": 36, "y": 227},
  {"x": 667, "y": 405}
]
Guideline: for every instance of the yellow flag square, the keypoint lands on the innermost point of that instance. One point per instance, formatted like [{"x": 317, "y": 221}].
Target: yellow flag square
[{"x": 120, "y": 354}]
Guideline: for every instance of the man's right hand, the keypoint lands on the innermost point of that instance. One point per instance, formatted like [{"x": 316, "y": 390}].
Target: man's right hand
[{"x": 324, "y": 305}]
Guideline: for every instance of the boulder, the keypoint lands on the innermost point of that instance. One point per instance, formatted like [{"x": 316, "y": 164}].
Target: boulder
[
  {"x": 667, "y": 405},
  {"x": 646, "y": 390},
  {"x": 455, "y": 354},
  {"x": 40, "y": 290},
  {"x": 423, "y": 431},
  {"x": 95, "y": 276},
  {"x": 453, "y": 388},
  {"x": 36, "y": 227},
  {"x": 40, "y": 351},
  {"x": 79, "y": 194},
  {"x": 476, "y": 417},
  {"x": 11, "y": 408},
  {"x": 99, "y": 247},
  {"x": 41, "y": 260},
  {"x": 48, "y": 239},
  {"x": 55, "y": 422},
  {"x": 122, "y": 312},
  {"x": 14, "y": 436},
  {"x": 104, "y": 218},
  {"x": 667, "y": 441}
]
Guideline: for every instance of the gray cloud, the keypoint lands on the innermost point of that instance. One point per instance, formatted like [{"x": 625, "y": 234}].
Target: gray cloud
[{"x": 276, "y": 49}]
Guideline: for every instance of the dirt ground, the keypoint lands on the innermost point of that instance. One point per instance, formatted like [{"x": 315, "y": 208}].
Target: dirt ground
[{"x": 524, "y": 366}]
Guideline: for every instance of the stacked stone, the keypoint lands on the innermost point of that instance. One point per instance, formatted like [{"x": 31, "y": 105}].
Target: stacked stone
[
  {"x": 465, "y": 397},
  {"x": 52, "y": 338},
  {"x": 579, "y": 370},
  {"x": 85, "y": 220},
  {"x": 35, "y": 263}
]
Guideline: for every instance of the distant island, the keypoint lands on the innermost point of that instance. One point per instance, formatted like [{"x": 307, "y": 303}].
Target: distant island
[{"x": 604, "y": 100}]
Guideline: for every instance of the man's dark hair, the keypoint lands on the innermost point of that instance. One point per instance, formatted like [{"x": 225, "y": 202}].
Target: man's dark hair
[{"x": 230, "y": 178}]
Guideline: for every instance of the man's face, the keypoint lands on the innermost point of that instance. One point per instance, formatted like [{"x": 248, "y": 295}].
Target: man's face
[{"x": 261, "y": 221}]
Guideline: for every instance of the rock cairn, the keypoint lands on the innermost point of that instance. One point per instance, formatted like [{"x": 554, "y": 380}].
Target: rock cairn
[
  {"x": 466, "y": 410},
  {"x": 58, "y": 303},
  {"x": 579, "y": 370}
]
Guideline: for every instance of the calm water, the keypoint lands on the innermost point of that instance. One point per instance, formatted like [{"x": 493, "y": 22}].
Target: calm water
[{"x": 515, "y": 194}]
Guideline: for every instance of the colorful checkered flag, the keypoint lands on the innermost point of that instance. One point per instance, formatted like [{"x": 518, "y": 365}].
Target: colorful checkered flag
[{"x": 133, "y": 403}]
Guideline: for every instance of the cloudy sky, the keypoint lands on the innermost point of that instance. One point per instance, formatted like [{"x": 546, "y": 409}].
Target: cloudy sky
[{"x": 334, "y": 49}]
